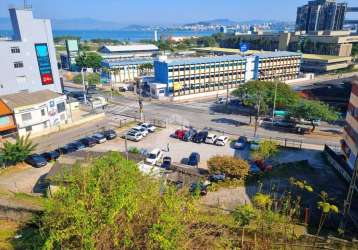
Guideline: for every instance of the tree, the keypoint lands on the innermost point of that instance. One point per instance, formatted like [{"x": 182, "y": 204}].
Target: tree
[
  {"x": 89, "y": 60},
  {"x": 13, "y": 153},
  {"x": 230, "y": 166},
  {"x": 312, "y": 111},
  {"x": 110, "y": 204},
  {"x": 266, "y": 150},
  {"x": 243, "y": 215},
  {"x": 90, "y": 78}
]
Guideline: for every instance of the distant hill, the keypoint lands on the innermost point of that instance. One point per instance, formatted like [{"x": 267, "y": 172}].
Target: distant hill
[
  {"x": 223, "y": 21},
  {"x": 71, "y": 24},
  {"x": 136, "y": 27}
]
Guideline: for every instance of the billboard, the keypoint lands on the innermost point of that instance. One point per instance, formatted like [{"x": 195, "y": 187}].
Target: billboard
[{"x": 44, "y": 63}]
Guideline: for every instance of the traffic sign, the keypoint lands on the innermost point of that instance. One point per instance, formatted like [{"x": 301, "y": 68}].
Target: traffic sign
[{"x": 244, "y": 47}]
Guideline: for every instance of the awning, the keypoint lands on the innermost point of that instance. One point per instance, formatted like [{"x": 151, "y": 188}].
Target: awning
[{"x": 6, "y": 118}]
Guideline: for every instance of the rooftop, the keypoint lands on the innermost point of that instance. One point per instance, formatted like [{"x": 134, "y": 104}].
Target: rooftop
[
  {"x": 325, "y": 57},
  {"x": 129, "y": 48},
  {"x": 110, "y": 63},
  {"x": 22, "y": 99}
]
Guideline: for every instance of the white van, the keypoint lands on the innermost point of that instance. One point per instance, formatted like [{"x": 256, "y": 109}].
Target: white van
[{"x": 211, "y": 139}]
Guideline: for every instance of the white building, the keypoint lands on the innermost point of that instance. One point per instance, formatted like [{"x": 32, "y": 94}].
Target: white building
[
  {"x": 124, "y": 52},
  {"x": 28, "y": 60},
  {"x": 37, "y": 112}
]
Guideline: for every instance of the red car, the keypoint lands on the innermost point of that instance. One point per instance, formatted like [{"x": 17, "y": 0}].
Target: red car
[{"x": 180, "y": 133}]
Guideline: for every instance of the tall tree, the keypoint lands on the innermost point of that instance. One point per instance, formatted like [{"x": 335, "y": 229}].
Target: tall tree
[
  {"x": 312, "y": 111},
  {"x": 89, "y": 60}
]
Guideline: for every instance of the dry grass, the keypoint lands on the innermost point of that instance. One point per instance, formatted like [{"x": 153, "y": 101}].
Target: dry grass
[{"x": 13, "y": 169}]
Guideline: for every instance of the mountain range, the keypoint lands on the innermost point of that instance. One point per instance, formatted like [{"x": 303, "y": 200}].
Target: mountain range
[{"x": 94, "y": 24}]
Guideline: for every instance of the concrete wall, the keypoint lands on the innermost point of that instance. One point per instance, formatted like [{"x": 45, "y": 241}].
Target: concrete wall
[{"x": 28, "y": 32}]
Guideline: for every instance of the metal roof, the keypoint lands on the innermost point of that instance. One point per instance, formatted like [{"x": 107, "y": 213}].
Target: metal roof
[
  {"x": 110, "y": 64},
  {"x": 198, "y": 60},
  {"x": 129, "y": 48},
  {"x": 22, "y": 99}
]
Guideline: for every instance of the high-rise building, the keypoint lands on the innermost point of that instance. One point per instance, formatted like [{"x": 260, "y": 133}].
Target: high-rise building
[
  {"x": 321, "y": 15},
  {"x": 28, "y": 60}
]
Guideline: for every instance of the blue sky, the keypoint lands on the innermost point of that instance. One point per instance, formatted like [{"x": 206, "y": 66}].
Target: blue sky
[{"x": 162, "y": 11}]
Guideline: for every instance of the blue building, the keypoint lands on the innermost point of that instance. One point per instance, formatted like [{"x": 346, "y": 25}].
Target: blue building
[{"x": 213, "y": 74}]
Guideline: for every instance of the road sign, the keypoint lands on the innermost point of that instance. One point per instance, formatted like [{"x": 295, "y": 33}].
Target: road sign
[{"x": 244, "y": 47}]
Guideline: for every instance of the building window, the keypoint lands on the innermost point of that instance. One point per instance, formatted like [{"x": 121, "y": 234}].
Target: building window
[
  {"x": 28, "y": 129},
  {"x": 61, "y": 107},
  {"x": 18, "y": 65},
  {"x": 15, "y": 50},
  {"x": 42, "y": 112},
  {"x": 26, "y": 117}
]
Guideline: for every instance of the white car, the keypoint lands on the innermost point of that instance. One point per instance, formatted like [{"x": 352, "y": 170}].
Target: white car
[
  {"x": 211, "y": 139},
  {"x": 134, "y": 136},
  {"x": 222, "y": 140},
  {"x": 154, "y": 157},
  {"x": 255, "y": 144},
  {"x": 141, "y": 130},
  {"x": 151, "y": 128}
]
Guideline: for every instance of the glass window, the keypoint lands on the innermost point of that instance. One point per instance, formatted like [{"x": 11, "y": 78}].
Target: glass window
[
  {"x": 18, "y": 64},
  {"x": 26, "y": 117},
  {"x": 42, "y": 112},
  {"x": 61, "y": 107},
  {"x": 15, "y": 50},
  {"x": 28, "y": 129}
]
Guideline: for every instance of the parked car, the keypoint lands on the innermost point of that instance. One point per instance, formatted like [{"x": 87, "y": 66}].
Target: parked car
[
  {"x": 88, "y": 142},
  {"x": 222, "y": 140},
  {"x": 284, "y": 124},
  {"x": 78, "y": 95},
  {"x": 180, "y": 133},
  {"x": 217, "y": 177},
  {"x": 240, "y": 143},
  {"x": 36, "y": 161},
  {"x": 220, "y": 100},
  {"x": 190, "y": 134},
  {"x": 99, "y": 138},
  {"x": 210, "y": 139},
  {"x": 134, "y": 136},
  {"x": 122, "y": 89},
  {"x": 235, "y": 102},
  {"x": 194, "y": 159},
  {"x": 200, "y": 137},
  {"x": 154, "y": 157},
  {"x": 109, "y": 134},
  {"x": 151, "y": 128},
  {"x": 77, "y": 145},
  {"x": 141, "y": 130},
  {"x": 255, "y": 144},
  {"x": 167, "y": 162},
  {"x": 198, "y": 187},
  {"x": 51, "y": 156},
  {"x": 67, "y": 149}
]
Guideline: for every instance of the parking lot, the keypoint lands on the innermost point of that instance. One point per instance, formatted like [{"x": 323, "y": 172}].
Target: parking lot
[{"x": 178, "y": 150}]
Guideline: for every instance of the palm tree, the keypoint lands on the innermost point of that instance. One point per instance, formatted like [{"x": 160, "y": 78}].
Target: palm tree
[{"x": 13, "y": 153}]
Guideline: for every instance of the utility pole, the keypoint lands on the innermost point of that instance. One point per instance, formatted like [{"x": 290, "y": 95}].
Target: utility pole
[
  {"x": 274, "y": 103},
  {"x": 84, "y": 86},
  {"x": 140, "y": 100},
  {"x": 257, "y": 114}
]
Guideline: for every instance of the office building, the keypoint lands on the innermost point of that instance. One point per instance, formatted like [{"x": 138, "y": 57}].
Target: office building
[
  {"x": 199, "y": 75},
  {"x": 350, "y": 136},
  {"x": 323, "y": 64},
  {"x": 28, "y": 60},
  {"x": 321, "y": 15}
]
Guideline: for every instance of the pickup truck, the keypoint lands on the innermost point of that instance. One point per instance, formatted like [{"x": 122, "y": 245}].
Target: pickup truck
[{"x": 98, "y": 102}]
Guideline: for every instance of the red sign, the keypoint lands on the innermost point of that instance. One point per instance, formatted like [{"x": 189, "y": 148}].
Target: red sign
[{"x": 47, "y": 79}]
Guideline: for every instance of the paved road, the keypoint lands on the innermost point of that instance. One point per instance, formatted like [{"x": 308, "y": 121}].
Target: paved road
[{"x": 200, "y": 114}]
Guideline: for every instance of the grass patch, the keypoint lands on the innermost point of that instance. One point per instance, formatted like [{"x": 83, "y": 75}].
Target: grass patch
[
  {"x": 29, "y": 199},
  {"x": 13, "y": 169},
  {"x": 215, "y": 186}
]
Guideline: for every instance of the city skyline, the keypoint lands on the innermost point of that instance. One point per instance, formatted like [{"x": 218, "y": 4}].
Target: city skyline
[{"x": 143, "y": 12}]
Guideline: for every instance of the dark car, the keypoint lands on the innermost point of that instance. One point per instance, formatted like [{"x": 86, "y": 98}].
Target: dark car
[
  {"x": 88, "y": 142},
  {"x": 79, "y": 95},
  {"x": 241, "y": 143},
  {"x": 77, "y": 145},
  {"x": 235, "y": 102},
  {"x": 189, "y": 135},
  {"x": 167, "y": 162},
  {"x": 200, "y": 137},
  {"x": 109, "y": 134},
  {"x": 36, "y": 161},
  {"x": 51, "y": 156},
  {"x": 66, "y": 149},
  {"x": 217, "y": 177},
  {"x": 194, "y": 159},
  {"x": 99, "y": 138},
  {"x": 198, "y": 187}
]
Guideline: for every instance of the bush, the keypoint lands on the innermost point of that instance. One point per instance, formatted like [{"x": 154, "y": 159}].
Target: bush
[
  {"x": 230, "y": 166},
  {"x": 266, "y": 150},
  {"x": 90, "y": 78},
  {"x": 134, "y": 150},
  {"x": 109, "y": 204},
  {"x": 13, "y": 153}
]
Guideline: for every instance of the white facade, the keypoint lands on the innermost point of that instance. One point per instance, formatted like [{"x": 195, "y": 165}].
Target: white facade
[
  {"x": 37, "y": 118},
  {"x": 122, "y": 52},
  {"x": 19, "y": 66}
]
